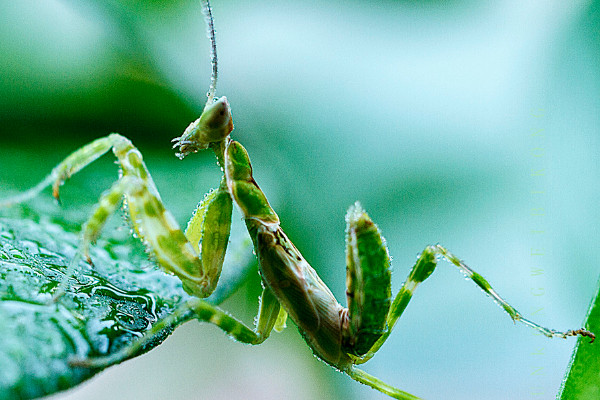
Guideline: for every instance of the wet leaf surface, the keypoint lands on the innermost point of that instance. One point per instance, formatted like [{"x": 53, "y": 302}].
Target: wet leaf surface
[{"x": 104, "y": 308}]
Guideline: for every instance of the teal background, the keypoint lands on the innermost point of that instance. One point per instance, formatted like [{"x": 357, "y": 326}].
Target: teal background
[{"x": 471, "y": 124}]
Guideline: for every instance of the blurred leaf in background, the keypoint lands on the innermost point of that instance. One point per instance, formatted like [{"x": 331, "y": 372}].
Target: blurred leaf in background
[{"x": 466, "y": 123}]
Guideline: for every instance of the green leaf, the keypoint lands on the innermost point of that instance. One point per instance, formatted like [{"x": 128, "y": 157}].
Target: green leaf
[
  {"x": 105, "y": 307},
  {"x": 582, "y": 380}
]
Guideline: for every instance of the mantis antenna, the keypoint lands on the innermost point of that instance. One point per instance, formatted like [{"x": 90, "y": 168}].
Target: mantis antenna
[{"x": 210, "y": 31}]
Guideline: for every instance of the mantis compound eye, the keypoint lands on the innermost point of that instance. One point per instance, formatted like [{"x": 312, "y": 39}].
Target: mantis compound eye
[{"x": 213, "y": 126}]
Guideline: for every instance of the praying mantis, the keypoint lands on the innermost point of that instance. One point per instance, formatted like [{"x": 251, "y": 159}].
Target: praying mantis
[{"x": 351, "y": 335}]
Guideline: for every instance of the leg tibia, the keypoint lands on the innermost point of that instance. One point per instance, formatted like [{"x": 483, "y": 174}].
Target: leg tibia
[
  {"x": 202, "y": 311},
  {"x": 369, "y": 380},
  {"x": 424, "y": 268},
  {"x": 510, "y": 310},
  {"x": 268, "y": 313},
  {"x": 107, "y": 205},
  {"x": 230, "y": 325},
  {"x": 69, "y": 166},
  {"x": 194, "y": 308}
]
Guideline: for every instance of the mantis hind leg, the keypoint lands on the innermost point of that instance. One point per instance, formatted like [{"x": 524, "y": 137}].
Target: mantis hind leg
[
  {"x": 424, "y": 268},
  {"x": 367, "y": 379},
  {"x": 269, "y": 318}
]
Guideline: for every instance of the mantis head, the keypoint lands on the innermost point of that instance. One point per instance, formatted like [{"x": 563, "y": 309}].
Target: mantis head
[{"x": 213, "y": 126}]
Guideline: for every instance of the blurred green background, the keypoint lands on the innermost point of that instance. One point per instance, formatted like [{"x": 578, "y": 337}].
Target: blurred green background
[{"x": 472, "y": 124}]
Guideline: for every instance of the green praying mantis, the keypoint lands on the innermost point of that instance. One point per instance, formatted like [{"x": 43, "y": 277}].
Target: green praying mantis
[{"x": 343, "y": 337}]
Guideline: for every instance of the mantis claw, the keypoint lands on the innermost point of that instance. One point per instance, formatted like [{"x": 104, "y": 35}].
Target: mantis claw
[
  {"x": 88, "y": 259},
  {"x": 581, "y": 332},
  {"x": 56, "y": 193}
]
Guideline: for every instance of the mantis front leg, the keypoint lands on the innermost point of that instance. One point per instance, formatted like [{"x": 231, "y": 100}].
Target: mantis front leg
[{"x": 196, "y": 257}]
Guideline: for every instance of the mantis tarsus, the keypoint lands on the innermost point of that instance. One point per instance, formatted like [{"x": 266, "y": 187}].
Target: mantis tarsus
[{"x": 342, "y": 337}]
